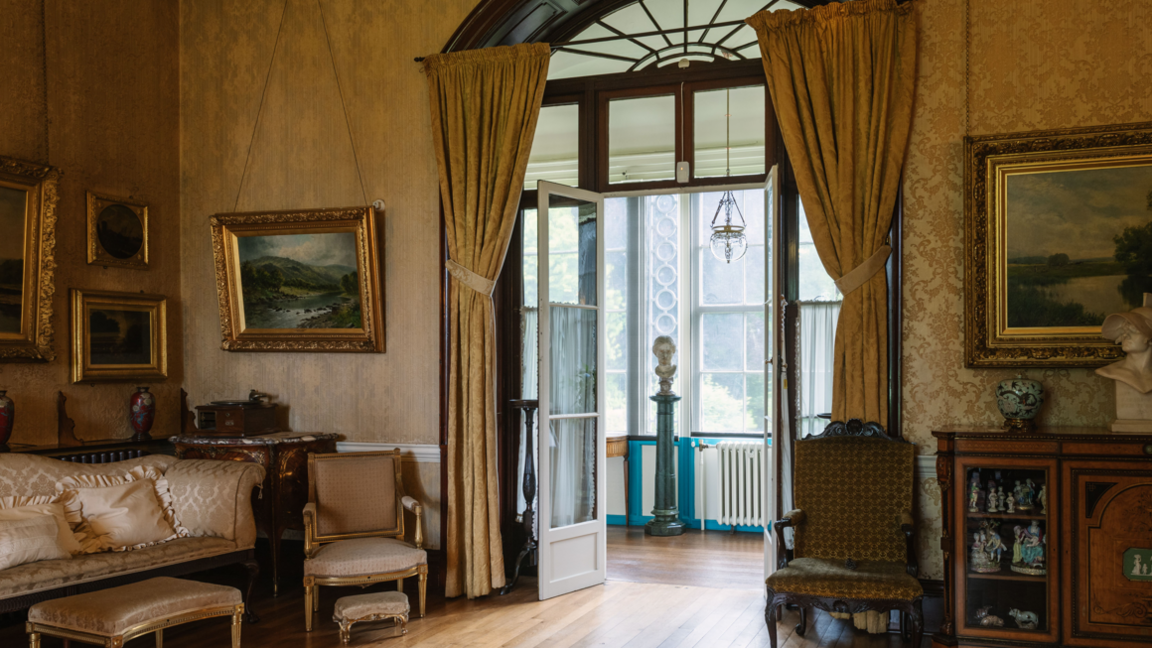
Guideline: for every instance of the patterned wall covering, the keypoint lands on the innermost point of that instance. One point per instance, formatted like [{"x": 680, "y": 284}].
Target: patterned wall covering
[{"x": 1033, "y": 65}]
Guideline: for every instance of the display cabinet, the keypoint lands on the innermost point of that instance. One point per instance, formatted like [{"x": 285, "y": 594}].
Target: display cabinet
[{"x": 1011, "y": 503}]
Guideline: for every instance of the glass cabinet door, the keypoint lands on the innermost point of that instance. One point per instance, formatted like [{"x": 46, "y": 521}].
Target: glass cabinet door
[{"x": 1007, "y": 570}]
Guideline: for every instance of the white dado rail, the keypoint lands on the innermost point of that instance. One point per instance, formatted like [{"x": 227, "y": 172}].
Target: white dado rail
[{"x": 411, "y": 452}]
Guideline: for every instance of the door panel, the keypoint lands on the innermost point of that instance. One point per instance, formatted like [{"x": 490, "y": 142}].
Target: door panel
[
  {"x": 571, "y": 448},
  {"x": 772, "y": 428}
]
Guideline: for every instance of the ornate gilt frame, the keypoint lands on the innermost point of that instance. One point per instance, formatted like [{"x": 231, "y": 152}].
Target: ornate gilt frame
[
  {"x": 97, "y": 255},
  {"x": 988, "y": 341},
  {"x": 226, "y": 228},
  {"x": 34, "y": 343},
  {"x": 83, "y": 371}
]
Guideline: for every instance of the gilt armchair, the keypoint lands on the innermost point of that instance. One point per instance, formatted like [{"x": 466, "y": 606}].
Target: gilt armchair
[
  {"x": 354, "y": 526},
  {"x": 854, "y": 548}
]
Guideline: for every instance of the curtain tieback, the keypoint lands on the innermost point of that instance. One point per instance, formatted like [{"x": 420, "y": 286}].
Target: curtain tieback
[
  {"x": 863, "y": 272},
  {"x": 470, "y": 279}
]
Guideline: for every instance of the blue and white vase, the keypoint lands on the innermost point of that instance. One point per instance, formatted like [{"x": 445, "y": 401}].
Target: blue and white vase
[{"x": 1019, "y": 400}]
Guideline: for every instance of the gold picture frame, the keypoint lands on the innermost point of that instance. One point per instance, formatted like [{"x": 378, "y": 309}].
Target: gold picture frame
[
  {"x": 118, "y": 336},
  {"x": 117, "y": 232},
  {"x": 1052, "y": 222},
  {"x": 28, "y": 197},
  {"x": 304, "y": 281}
]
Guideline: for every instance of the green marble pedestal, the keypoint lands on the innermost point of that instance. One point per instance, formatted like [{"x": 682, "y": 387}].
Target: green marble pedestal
[{"x": 667, "y": 521}]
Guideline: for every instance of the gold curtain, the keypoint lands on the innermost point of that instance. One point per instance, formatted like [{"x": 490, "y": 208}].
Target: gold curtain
[
  {"x": 841, "y": 77},
  {"x": 485, "y": 104}
]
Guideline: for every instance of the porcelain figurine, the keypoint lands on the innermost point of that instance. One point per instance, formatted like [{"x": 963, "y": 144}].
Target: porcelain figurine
[
  {"x": 992, "y": 501},
  {"x": 973, "y": 495},
  {"x": 1043, "y": 497},
  {"x": 1011, "y": 504},
  {"x": 988, "y": 620},
  {"x": 664, "y": 348},
  {"x": 1026, "y": 620},
  {"x": 142, "y": 414},
  {"x": 1019, "y": 400},
  {"x": 1001, "y": 500},
  {"x": 994, "y": 546},
  {"x": 1028, "y": 551},
  {"x": 7, "y": 419},
  {"x": 1027, "y": 492}
]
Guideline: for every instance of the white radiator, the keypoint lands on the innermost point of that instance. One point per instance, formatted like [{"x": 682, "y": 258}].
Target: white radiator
[{"x": 742, "y": 474}]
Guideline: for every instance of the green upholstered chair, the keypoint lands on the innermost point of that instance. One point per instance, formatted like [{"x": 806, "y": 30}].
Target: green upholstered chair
[{"x": 854, "y": 547}]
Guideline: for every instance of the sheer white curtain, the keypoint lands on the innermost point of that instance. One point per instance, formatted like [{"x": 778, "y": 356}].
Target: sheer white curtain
[
  {"x": 572, "y": 442},
  {"x": 817, "y": 338}
]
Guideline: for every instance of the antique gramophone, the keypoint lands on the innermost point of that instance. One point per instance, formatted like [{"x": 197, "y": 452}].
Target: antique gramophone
[{"x": 241, "y": 418}]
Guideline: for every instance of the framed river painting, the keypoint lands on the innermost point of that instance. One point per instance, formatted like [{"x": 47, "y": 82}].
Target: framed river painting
[
  {"x": 1059, "y": 235},
  {"x": 28, "y": 196},
  {"x": 299, "y": 281}
]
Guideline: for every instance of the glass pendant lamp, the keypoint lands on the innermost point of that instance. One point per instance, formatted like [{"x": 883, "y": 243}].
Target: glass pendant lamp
[{"x": 728, "y": 241}]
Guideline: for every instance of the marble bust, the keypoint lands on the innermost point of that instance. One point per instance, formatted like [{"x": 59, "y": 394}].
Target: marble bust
[
  {"x": 664, "y": 348},
  {"x": 1133, "y": 373}
]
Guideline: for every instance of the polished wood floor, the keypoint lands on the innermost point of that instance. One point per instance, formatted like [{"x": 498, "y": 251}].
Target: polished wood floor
[{"x": 699, "y": 590}]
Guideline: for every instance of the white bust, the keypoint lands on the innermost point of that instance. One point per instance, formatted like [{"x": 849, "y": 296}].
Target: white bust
[
  {"x": 1133, "y": 332},
  {"x": 664, "y": 348}
]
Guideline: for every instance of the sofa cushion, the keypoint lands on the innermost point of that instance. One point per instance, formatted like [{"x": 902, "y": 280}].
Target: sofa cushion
[
  {"x": 24, "y": 475},
  {"x": 52, "y": 574},
  {"x": 120, "y": 512},
  {"x": 29, "y": 540},
  {"x": 213, "y": 498},
  {"x": 872, "y": 579},
  {"x": 19, "y": 508}
]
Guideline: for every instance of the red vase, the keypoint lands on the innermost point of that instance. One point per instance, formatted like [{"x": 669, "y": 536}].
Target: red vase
[
  {"x": 142, "y": 413},
  {"x": 7, "y": 419}
]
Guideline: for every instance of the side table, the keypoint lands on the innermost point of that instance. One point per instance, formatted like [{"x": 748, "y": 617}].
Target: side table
[{"x": 284, "y": 456}]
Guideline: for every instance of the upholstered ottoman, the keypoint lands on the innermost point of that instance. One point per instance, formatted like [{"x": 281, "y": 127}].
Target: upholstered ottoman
[
  {"x": 376, "y": 606},
  {"x": 112, "y": 616}
]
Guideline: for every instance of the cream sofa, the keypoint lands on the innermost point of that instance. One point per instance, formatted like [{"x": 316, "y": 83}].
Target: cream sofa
[{"x": 212, "y": 499}]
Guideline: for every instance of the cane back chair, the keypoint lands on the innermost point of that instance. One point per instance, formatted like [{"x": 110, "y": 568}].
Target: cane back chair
[
  {"x": 854, "y": 547},
  {"x": 354, "y": 526}
]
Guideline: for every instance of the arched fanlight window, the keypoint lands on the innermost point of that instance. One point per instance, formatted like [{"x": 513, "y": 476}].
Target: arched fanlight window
[{"x": 656, "y": 33}]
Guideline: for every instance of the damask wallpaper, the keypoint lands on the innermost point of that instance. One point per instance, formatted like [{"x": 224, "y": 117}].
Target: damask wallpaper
[{"x": 1031, "y": 65}]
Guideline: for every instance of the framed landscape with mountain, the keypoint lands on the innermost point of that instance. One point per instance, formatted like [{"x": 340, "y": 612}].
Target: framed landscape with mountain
[
  {"x": 299, "y": 280},
  {"x": 1059, "y": 236}
]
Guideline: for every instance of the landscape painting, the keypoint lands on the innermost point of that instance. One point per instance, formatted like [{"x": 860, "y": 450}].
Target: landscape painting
[
  {"x": 300, "y": 281},
  {"x": 1078, "y": 244},
  {"x": 119, "y": 337},
  {"x": 12, "y": 216}
]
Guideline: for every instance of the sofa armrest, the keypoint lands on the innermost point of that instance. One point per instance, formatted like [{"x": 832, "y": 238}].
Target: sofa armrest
[
  {"x": 792, "y": 519},
  {"x": 411, "y": 504},
  {"x": 908, "y": 527},
  {"x": 213, "y": 498}
]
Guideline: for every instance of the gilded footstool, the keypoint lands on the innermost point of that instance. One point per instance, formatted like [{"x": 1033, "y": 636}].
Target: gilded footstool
[
  {"x": 377, "y": 606},
  {"x": 112, "y": 616}
]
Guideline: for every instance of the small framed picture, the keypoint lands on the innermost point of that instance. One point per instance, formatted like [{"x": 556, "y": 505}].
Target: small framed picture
[
  {"x": 117, "y": 232},
  {"x": 118, "y": 336}
]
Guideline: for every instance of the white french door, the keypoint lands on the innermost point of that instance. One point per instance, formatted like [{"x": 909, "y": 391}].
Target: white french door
[
  {"x": 774, "y": 382},
  {"x": 571, "y": 441}
]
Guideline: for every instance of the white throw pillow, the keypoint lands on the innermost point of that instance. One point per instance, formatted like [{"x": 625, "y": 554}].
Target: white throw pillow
[
  {"x": 30, "y": 540},
  {"x": 55, "y": 509},
  {"x": 120, "y": 513}
]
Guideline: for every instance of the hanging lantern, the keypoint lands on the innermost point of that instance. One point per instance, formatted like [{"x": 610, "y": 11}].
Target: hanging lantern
[{"x": 728, "y": 241}]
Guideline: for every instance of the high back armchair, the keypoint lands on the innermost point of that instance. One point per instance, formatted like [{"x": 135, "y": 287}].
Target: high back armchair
[
  {"x": 354, "y": 526},
  {"x": 854, "y": 547}
]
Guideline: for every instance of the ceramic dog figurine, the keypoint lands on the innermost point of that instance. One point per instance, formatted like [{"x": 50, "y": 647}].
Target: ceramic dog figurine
[{"x": 1026, "y": 620}]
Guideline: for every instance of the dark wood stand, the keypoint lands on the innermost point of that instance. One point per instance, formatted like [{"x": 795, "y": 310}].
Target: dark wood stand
[
  {"x": 529, "y": 409},
  {"x": 279, "y": 505},
  {"x": 1098, "y": 512}
]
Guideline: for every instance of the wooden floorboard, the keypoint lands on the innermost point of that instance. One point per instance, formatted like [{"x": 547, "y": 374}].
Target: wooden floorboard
[{"x": 699, "y": 590}]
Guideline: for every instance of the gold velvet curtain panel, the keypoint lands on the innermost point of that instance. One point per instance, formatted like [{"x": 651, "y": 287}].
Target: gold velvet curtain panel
[
  {"x": 485, "y": 104},
  {"x": 841, "y": 77}
]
